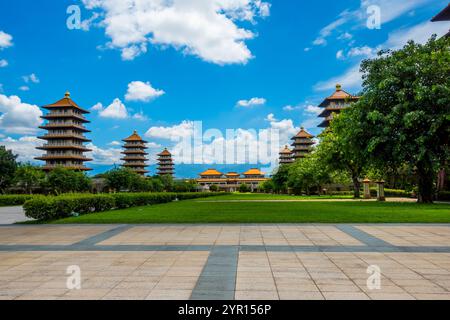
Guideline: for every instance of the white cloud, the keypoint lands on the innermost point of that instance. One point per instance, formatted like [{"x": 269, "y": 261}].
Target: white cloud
[
  {"x": 313, "y": 109},
  {"x": 131, "y": 25},
  {"x": 18, "y": 117},
  {"x": 291, "y": 108},
  {"x": 345, "y": 36},
  {"x": 140, "y": 116},
  {"x": 350, "y": 79},
  {"x": 24, "y": 88},
  {"x": 114, "y": 143},
  {"x": 107, "y": 156},
  {"x": 116, "y": 110},
  {"x": 3, "y": 63},
  {"x": 271, "y": 117},
  {"x": 142, "y": 91},
  {"x": 174, "y": 133},
  {"x": 5, "y": 40},
  {"x": 24, "y": 147},
  {"x": 365, "y": 51},
  {"x": 31, "y": 78},
  {"x": 253, "y": 102},
  {"x": 97, "y": 107},
  {"x": 340, "y": 54}
]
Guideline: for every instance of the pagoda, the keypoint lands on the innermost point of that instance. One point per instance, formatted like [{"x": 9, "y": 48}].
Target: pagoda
[
  {"x": 285, "y": 156},
  {"x": 444, "y": 15},
  {"x": 165, "y": 163},
  {"x": 65, "y": 136},
  {"x": 135, "y": 153},
  {"x": 334, "y": 104},
  {"x": 303, "y": 143}
]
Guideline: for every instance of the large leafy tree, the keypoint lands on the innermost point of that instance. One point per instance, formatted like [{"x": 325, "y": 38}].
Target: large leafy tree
[
  {"x": 280, "y": 178},
  {"x": 62, "y": 180},
  {"x": 125, "y": 179},
  {"x": 8, "y": 166},
  {"x": 28, "y": 177},
  {"x": 405, "y": 110},
  {"x": 307, "y": 174}
]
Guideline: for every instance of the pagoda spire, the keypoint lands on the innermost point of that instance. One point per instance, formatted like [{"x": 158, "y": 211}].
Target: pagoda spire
[
  {"x": 303, "y": 142},
  {"x": 165, "y": 163},
  {"x": 135, "y": 154}
]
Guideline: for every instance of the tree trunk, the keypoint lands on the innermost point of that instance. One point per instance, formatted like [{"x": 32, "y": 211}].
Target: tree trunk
[
  {"x": 425, "y": 177},
  {"x": 356, "y": 186}
]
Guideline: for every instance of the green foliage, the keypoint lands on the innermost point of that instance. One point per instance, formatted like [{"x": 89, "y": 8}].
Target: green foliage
[
  {"x": 29, "y": 177},
  {"x": 123, "y": 179},
  {"x": 8, "y": 166},
  {"x": 185, "y": 186},
  {"x": 405, "y": 110},
  {"x": 14, "y": 199},
  {"x": 280, "y": 178},
  {"x": 391, "y": 193},
  {"x": 213, "y": 188},
  {"x": 54, "y": 207},
  {"x": 267, "y": 186},
  {"x": 307, "y": 174},
  {"x": 243, "y": 188},
  {"x": 62, "y": 180},
  {"x": 443, "y": 196}
]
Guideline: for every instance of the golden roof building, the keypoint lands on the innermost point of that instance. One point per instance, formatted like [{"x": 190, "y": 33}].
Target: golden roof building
[
  {"x": 165, "y": 163},
  {"x": 334, "y": 104},
  {"x": 303, "y": 143},
  {"x": 232, "y": 180},
  {"x": 135, "y": 154},
  {"x": 285, "y": 156},
  {"x": 65, "y": 136}
]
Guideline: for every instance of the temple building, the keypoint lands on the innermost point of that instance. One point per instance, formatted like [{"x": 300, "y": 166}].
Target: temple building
[
  {"x": 135, "y": 154},
  {"x": 165, "y": 163},
  {"x": 444, "y": 15},
  {"x": 285, "y": 156},
  {"x": 231, "y": 181},
  {"x": 65, "y": 136},
  {"x": 303, "y": 143},
  {"x": 334, "y": 104}
]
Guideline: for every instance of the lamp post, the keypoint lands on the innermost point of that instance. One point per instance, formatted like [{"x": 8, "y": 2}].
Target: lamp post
[
  {"x": 380, "y": 190},
  {"x": 366, "y": 184}
]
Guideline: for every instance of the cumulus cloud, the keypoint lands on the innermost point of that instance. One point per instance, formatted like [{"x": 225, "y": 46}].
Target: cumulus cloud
[
  {"x": 116, "y": 110},
  {"x": 3, "y": 63},
  {"x": 24, "y": 147},
  {"x": 106, "y": 156},
  {"x": 32, "y": 78},
  {"x": 18, "y": 117},
  {"x": 174, "y": 133},
  {"x": 142, "y": 91},
  {"x": 253, "y": 102},
  {"x": 5, "y": 40},
  {"x": 131, "y": 25},
  {"x": 313, "y": 109}
]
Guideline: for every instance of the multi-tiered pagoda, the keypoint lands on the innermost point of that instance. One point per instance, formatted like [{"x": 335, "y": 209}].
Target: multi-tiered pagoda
[
  {"x": 165, "y": 163},
  {"x": 285, "y": 156},
  {"x": 135, "y": 154},
  {"x": 334, "y": 104},
  {"x": 303, "y": 143},
  {"x": 65, "y": 136}
]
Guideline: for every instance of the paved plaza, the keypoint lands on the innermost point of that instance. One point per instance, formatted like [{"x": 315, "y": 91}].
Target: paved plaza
[{"x": 286, "y": 261}]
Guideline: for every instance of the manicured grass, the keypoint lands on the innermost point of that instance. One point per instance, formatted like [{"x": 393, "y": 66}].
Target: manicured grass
[
  {"x": 197, "y": 211},
  {"x": 261, "y": 196}
]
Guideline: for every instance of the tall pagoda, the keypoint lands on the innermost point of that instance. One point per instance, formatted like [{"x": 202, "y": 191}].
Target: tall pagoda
[
  {"x": 165, "y": 163},
  {"x": 285, "y": 156},
  {"x": 135, "y": 153},
  {"x": 334, "y": 104},
  {"x": 65, "y": 136},
  {"x": 303, "y": 143}
]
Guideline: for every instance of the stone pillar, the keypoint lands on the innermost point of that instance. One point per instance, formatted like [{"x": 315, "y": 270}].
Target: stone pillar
[
  {"x": 366, "y": 184},
  {"x": 380, "y": 191}
]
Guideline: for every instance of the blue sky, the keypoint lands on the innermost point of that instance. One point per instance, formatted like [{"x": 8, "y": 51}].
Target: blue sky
[{"x": 247, "y": 64}]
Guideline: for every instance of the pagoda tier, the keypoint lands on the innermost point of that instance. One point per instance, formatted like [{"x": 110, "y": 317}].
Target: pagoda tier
[
  {"x": 165, "y": 163},
  {"x": 285, "y": 156},
  {"x": 135, "y": 155},
  {"x": 334, "y": 104},
  {"x": 65, "y": 136},
  {"x": 302, "y": 144}
]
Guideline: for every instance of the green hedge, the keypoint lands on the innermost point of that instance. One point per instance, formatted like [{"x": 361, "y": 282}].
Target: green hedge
[
  {"x": 53, "y": 207},
  {"x": 392, "y": 193},
  {"x": 14, "y": 199},
  {"x": 443, "y": 196}
]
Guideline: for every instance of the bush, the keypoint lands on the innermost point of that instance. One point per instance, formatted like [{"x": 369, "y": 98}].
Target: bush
[
  {"x": 443, "y": 196},
  {"x": 53, "y": 207},
  {"x": 392, "y": 193},
  {"x": 14, "y": 199}
]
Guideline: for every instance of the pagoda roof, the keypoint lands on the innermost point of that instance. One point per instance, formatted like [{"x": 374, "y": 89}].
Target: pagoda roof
[
  {"x": 286, "y": 150},
  {"x": 232, "y": 174},
  {"x": 211, "y": 172},
  {"x": 253, "y": 172},
  {"x": 165, "y": 153},
  {"x": 303, "y": 134},
  {"x": 339, "y": 94},
  {"x": 65, "y": 102},
  {"x": 134, "y": 137},
  {"x": 444, "y": 15}
]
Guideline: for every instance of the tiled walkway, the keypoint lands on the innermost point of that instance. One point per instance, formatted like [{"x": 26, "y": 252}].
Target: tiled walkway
[{"x": 291, "y": 261}]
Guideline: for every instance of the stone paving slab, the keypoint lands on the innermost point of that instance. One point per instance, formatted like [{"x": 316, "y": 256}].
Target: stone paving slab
[
  {"x": 10, "y": 215},
  {"x": 225, "y": 262}
]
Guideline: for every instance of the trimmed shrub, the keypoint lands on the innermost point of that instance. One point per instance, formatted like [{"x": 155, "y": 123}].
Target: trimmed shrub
[
  {"x": 14, "y": 199},
  {"x": 392, "y": 193}
]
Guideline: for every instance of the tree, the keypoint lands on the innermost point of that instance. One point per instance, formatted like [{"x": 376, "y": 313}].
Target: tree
[
  {"x": 342, "y": 147},
  {"x": 8, "y": 166},
  {"x": 29, "y": 177},
  {"x": 62, "y": 180},
  {"x": 280, "y": 178},
  {"x": 213, "y": 188},
  {"x": 124, "y": 179},
  {"x": 405, "y": 110},
  {"x": 267, "y": 186},
  {"x": 243, "y": 188},
  {"x": 307, "y": 174}
]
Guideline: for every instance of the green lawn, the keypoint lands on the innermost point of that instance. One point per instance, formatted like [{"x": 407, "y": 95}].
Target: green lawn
[
  {"x": 200, "y": 211},
  {"x": 261, "y": 196}
]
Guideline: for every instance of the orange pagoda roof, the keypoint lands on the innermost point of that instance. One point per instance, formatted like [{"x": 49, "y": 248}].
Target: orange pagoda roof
[
  {"x": 65, "y": 102},
  {"x": 232, "y": 174},
  {"x": 286, "y": 150},
  {"x": 253, "y": 172},
  {"x": 339, "y": 94},
  {"x": 211, "y": 172},
  {"x": 165, "y": 153},
  {"x": 303, "y": 134},
  {"x": 134, "y": 137}
]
